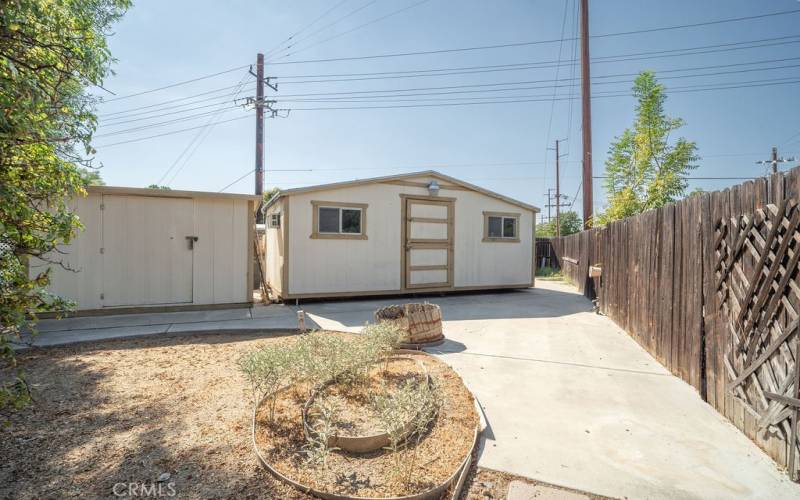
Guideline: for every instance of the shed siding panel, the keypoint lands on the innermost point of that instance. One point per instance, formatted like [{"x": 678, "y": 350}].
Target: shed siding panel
[
  {"x": 219, "y": 263},
  {"x": 275, "y": 249},
  {"x": 85, "y": 282},
  {"x": 374, "y": 264},
  {"x": 221, "y": 250},
  {"x": 333, "y": 265},
  {"x": 488, "y": 263}
]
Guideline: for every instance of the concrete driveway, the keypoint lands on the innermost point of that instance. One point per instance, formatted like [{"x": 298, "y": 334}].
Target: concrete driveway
[{"x": 571, "y": 400}]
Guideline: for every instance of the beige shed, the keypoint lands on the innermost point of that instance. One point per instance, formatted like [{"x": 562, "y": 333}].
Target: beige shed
[
  {"x": 409, "y": 233},
  {"x": 154, "y": 248}
]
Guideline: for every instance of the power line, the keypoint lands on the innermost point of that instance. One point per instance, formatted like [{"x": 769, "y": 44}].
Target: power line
[
  {"x": 375, "y": 98},
  {"x": 137, "y": 108},
  {"x": 212, "y": 75},
  {"x": 237, "y": 180},
  {"x": 167, "y": 122},
  {"x": 555, "y": 87},
  {"x": 526, "y": 65},
  {"x": 536, "y": 42},
  {"x": 333, "y": 23},
  {"x": 472, "y": 101},
  {"x": 368, "y": 23},
  {"x": 123, "y": 120},
  {"x": 526, "y": 82},
  {"x": 513, "y": 101},
  {"x": 317, "y": 19},
  {"x": 465, "y": 70},
  {"x": 164, "y": 134},
  {"x": 756, "y": 83},
  {"x": 407, "y": 93},
  {"x": 198, "y": 140}
]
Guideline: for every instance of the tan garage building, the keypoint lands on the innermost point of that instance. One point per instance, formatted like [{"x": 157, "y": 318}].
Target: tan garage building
[
  {"x": 149, "y": 248},
  {"x": 408, "y": 233}
]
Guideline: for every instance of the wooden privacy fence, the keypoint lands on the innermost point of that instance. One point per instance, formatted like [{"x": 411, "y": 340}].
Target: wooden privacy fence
[
  {"x": 545, "y": 255},
  {"x": 710, "y": 287}
]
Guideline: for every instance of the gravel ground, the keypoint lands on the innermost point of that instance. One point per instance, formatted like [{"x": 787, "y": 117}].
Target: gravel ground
[{"x": 118, "y": 415}]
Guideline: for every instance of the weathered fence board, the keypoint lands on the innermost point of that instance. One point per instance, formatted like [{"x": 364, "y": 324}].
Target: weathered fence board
[{"x": 686, "y": 281}]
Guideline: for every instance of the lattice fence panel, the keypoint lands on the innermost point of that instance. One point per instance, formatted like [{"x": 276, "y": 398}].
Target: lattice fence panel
[{"x": 756, "y": 272}]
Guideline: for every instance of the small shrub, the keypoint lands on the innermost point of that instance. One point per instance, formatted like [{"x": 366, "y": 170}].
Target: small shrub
[
  {"x": 268, "y": 369},
  {"x": 413, "y": 403},
  {"x": 548, "y": 272},
  {"x": 316, "y": 448}
]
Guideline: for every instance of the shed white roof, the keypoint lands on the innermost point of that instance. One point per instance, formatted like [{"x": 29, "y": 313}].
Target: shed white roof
[
  {"x": 168, "y": 193},
  {"x": 411, "y": 175}
]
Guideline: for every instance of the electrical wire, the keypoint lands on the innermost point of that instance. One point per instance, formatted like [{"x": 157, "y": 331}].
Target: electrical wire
[
  {"x": 526, "y": 65},
  {"x": 333, "y": 23},
  {"x": 177, "y": 84},
  {"x": 199, "y": 138},
  {"x": 368, "y": 23},
  {"x": 493, "y": 68},
  {"x": 158, "y": 104},
  {"x": 237, "y": 180},
  {"x": 538, "y": 42},
  {"x": 164, "y": 134},
  {"x": 387, "y": 94},
  {"x": 293, "y": 35},
  {"x": 555, "y": 87},
  {"x": 167, "y": 122}
]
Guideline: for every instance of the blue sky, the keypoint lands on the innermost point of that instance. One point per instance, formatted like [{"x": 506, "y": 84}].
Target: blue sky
[{"x": 501, "y": 146}]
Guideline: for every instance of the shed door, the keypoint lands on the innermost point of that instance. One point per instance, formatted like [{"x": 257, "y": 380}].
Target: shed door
[
  {"x": 147, "y": 258},
  {"x": 428, "y": 243}
]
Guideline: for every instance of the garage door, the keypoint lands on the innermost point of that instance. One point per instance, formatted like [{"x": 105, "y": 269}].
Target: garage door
[
  {"x": 428, "y": 243},
  {"x": 147, "y": 258}
]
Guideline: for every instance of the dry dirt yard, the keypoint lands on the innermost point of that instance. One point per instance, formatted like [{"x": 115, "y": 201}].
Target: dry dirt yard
[{"x": 132, "y": 411}]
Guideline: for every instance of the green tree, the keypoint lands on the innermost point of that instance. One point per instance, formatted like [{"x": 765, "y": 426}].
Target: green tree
[
  {"x": 272, "y": 192},
  {"x": 644, "y": 168},
  {"x": 51, "y": 51},
  {"x": 156, "y": 186},
  {"x": 570, "y": 224},
  {"x": 91, "y": 177}
]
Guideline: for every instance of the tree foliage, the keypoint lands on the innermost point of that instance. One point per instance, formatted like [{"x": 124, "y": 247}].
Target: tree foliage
[
  {"x": 156, "y": 186},
  {"x": 91, "y": 177},
  {"x": 570, "y": 223},
  {"x": 50, "y": 52},
  {"x": 644, "y": 168}
]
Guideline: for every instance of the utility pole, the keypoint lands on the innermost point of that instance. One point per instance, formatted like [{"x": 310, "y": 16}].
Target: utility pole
[
  {"x": 558, "y": 194},
  {"x": 551, "y": 198},
  {"x": 549, "y": 203},
  {"x": 586, "y": 99},
  {"x": 259, "y": 124},
  {"x": 775, "y": 160}
]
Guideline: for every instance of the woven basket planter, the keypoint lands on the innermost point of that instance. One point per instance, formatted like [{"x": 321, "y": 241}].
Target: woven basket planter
[{"x": 421, "y": 324}]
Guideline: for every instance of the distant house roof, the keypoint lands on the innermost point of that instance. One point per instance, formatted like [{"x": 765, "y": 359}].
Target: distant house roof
[{"x": 372, "y": 180}]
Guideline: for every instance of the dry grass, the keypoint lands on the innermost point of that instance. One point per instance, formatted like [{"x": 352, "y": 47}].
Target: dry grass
[
  {"x": 379, "y": 474},
  {"x": 130, "y": 410}
]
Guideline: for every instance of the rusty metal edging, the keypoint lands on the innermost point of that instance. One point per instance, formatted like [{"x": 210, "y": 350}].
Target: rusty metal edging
[
  {"x": 459, "y": 475},
  {"x": 361, "y": 444}
]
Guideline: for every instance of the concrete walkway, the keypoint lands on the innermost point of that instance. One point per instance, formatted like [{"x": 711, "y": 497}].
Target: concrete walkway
[
  {"x": 569, "y": 398},
  {"x": 572, "y": 400},
  {"x": 274, "y": 317}
]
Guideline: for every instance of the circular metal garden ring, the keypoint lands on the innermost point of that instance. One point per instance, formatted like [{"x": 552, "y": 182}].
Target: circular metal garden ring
[
  {"x": 361, "y": 444},
  {"x": 456, "y": 480},
  {"x": 418, "y": 346}
]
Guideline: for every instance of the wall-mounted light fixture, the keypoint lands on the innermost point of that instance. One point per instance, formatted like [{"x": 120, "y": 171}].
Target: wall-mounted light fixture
[{"x": 433, "y": 188}]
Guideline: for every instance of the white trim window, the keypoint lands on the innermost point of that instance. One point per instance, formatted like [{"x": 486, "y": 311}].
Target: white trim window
[
  {"x": 339, "y": 220},
  {"x": 499, "y": 226}
]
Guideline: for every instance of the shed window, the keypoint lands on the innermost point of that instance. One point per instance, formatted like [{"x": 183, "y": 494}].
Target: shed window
[
  {"x": 500, "y": 226},
  {"x": 339, "y": 220}
]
